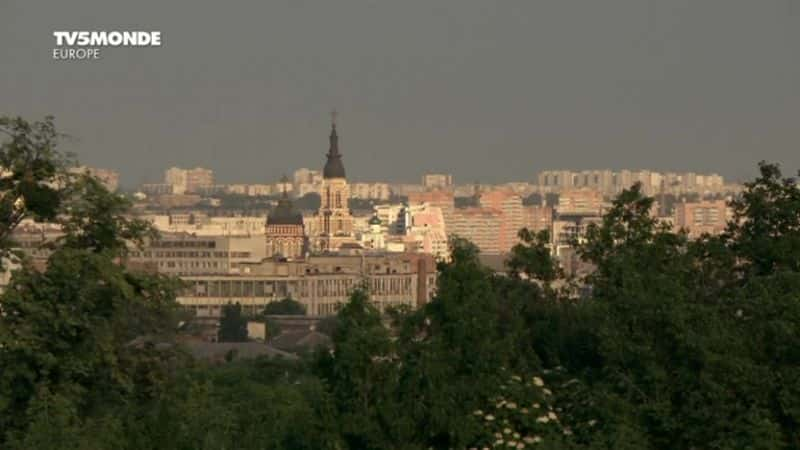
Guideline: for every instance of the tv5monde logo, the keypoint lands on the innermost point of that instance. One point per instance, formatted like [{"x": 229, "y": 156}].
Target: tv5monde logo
[{"x": 87, "y": 45}]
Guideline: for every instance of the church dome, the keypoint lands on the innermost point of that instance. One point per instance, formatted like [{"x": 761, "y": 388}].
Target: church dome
[{"x": 284, "y": 214}]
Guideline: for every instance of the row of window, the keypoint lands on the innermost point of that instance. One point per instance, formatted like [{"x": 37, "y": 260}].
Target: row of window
[
  {"x": 190, "y": 254},
  {"x": 183, "y": 244},
  {"x": 192, "y": 265},
  {"x": 341, "y": 287}
]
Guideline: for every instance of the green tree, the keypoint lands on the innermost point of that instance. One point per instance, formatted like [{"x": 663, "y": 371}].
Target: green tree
[
  {"x": 287, "y": 306},
  {"x": 33, "y": 172},
  {"x": 232, "y": 324},
  {"x": 74, "y": 338},
  {"x": 360, "y": 372}
]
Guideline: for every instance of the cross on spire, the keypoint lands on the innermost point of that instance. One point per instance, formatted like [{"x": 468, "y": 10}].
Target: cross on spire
[{"x": 334, "y": 114}]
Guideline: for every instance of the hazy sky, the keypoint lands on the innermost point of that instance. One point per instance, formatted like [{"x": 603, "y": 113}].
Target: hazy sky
[{"x": 487, "y": 90}]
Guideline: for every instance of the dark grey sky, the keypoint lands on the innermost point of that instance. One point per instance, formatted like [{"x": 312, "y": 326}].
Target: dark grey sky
[{"x": 487, "y": 90}]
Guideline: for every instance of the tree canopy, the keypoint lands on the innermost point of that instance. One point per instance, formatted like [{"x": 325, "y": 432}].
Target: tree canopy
[{"x": 232, "y": 324}]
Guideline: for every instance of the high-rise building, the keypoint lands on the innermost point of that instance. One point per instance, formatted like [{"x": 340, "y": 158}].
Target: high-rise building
[
  {"x": 611, "y": 183},
  {"x": 702, "y": 217},
  {"x": 479, "y": 225},
  {"x": 437, "y": 180},
  {"x": 537, "y": 218},
  {"x": 176, "y": 177},
  {"x": 510, "y": 205},
  {"x": 197, "y": 178},
  {"x": 188, "y": 180},
  {"x": 440, "y": 198},
  {"x": 580, "y": 201},
  {"x": 424, "y": 225}
]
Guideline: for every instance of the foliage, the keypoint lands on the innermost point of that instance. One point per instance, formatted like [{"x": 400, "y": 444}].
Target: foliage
[
  {"x": 79, "y": 336},
  {"x": 532, "y": 258},
  {"x": 232, "y": 324},
  {"x": 286, "y": 306},
  {"x": 33, "y": 171}
]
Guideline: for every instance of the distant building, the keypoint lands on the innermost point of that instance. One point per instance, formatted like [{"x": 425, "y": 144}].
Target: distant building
[
  {"x": 510, "y": 205},
  {"x": 259, "y": 190},
  {"x": 188, "y": 180},
  {"x": 580, "y": 201},
  {"x": 481, "y": 226},
  {"x": 391, "y": 217},
  {"x": 571, "y": 229},
  {"x": 177, "y": 200},
  {"x": 425, "y": 228},
  {"x": 370, "y": 191},
  {"x": 437, "y": 180},
  {"x": 109, "y": 178},
  {"x": 213, "y": 189},
  {"x": 523, "y": 189},
  {"x": 284, "y": 185},
  {"x": 702, "y": 217},
  {"x": 537, "y": 218},
  {"x": 154, "y": 189},
  {"x": 610, "y": 183},
  {"x": 442, "y": 199},
  {"x": 404, "y": 189},
  {"x": 307, "y": 176}
]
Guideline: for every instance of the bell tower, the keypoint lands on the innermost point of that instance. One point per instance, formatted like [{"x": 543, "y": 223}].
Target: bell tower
[{"x": 335, "y": 222}]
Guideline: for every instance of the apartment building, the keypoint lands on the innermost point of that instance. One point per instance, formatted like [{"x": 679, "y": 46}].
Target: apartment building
[
  {"x": 481, "y": 226},
  {"x": 370, "y": 191},
  {"x": 702, "y": 217},
  {"x": 510, "y": 205},
  {"x": 188, "y": 180},
  {"x": 580, "y": 201},
  {"x": 611, "y": 183},
  {"x": 437, "y": 180},
  {"x": 439, "y": 198},
  {"x": 537, "y": 218}
]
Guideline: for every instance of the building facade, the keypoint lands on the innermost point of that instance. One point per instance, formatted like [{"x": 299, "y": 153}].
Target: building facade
[
  {"x": 184, "y": 254},
  {"x": 321, "y": 283}
]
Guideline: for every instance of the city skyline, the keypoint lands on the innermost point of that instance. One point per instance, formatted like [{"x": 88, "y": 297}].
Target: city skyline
[{"x": 483, "y": 92}]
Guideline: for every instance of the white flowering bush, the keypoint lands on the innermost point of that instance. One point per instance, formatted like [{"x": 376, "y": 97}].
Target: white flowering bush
[{"x": 525, "y": 413}]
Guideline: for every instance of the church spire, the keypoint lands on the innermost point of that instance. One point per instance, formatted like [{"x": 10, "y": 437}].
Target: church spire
[
  {"x": 334, "y": 138},
  {"x": 333, "y": 166}
]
